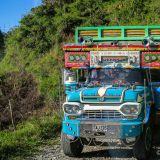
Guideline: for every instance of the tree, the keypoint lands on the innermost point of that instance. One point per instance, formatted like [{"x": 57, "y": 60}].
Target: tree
[{"x": 1, "y": 44}]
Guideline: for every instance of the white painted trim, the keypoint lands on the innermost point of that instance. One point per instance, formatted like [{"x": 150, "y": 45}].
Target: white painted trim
[
  {"x": 104, "y": 107},
  {"x": 94, "y": 108}
]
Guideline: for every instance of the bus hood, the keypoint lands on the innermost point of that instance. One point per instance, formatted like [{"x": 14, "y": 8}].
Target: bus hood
[{"x": 107, "y": 95}]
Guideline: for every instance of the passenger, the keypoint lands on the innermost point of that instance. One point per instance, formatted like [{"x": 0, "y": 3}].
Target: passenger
[
  {"x": 94, "y": 75},
  {"x": 111, "y": 74},
  {"x": 102, "y": 77}
]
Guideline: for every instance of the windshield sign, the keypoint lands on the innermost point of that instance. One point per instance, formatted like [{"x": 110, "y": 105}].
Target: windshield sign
[{"x": 115, "y": 59}]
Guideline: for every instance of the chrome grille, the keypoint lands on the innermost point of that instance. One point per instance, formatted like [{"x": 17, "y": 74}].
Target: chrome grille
[
  {"x": 97, "y": 99},
  {"x": 102, "y": 114}
]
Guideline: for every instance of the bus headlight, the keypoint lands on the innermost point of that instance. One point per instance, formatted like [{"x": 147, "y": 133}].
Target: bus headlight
[
  {"x": 131, "y": 109},
  {"x": 72, "y": 108}
]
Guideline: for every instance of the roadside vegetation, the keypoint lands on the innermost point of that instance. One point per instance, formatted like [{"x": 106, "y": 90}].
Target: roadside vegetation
[
  {"x": 28, "y": 137},
  {"x": 31, "y": 59}
]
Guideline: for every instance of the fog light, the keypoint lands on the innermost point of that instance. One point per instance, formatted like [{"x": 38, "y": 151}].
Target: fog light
[{"x": 72, "y": 117}]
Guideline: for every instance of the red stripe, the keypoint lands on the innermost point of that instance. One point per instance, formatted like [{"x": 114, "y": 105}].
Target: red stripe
[{"x": 108, "y": 46}]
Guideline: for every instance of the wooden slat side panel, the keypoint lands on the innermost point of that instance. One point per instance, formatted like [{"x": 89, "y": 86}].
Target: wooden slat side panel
[
  {"x": 134, "y": 33},
  {"x": 111, "y": 33},
  {"x": 154, "y": 32},
  {"x": 91, "y": 33}
]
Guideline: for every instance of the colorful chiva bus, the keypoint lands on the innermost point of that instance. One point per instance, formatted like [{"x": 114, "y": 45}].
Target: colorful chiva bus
[{"x": 112, "y": 86}]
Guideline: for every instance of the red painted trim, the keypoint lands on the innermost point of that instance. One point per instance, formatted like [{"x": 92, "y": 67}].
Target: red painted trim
[
  {"x": 152, "y": 64},
  {"x": 107, "y": 46},
  {"x": 77, "y": 63}
]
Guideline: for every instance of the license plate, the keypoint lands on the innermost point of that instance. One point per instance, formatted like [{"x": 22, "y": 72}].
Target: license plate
[{"x": 100, "y": 128}]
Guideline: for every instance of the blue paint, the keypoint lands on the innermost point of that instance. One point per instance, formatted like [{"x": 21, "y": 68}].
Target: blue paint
[
  {"x": 71, "y": 127},
  {"x": 147, "y": 114},
  {"x": 114, "y": 91},
  {"x": 126, "y": 128},
  {"x": 157, "y": 97},
  {"x": 130, "y": 130},
  {"x": 112, "y": 94},
  {"x": 69, "y": 87},
  {"x": 90, "y": 92},
  {"x": 74, "y": 96},
  {"x": 130, "y": 96}
]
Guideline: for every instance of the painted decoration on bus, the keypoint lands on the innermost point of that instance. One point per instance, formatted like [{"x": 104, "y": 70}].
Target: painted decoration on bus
[
  {"x": 115, "y": 59},
  {"x": 151, "y": 59},
  {"x": 77, "y": 59}
]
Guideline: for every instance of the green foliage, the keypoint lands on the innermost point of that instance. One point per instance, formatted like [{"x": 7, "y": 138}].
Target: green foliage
[
  {"x": 1, "y": 44},
  {"x": 1, "y": 40},
  {"x": 47, "y": 73},
  {"x": 27, "y": 138},
  {"x": 49, "y": 126}
]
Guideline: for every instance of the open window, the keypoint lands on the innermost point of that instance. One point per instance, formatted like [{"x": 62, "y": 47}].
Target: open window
[
  {"x": 82, "y": 75},
  {"x": 154, "y": 76},
  {"x": 69, "y": 76}
]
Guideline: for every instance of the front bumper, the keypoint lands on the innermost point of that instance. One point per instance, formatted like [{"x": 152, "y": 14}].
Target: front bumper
[{"x": 116, "y": 130}]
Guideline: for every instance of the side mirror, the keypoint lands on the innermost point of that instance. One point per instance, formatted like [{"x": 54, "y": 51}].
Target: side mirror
[{"x": 148, "y": 41}]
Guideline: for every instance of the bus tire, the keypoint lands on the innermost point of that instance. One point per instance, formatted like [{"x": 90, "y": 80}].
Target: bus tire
[
  {"x": 142, "y": 147},
  {"x": 71, "y": 148}
]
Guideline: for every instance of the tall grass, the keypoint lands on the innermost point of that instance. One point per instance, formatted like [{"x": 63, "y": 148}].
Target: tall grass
[{"x": 28, "y": 136}]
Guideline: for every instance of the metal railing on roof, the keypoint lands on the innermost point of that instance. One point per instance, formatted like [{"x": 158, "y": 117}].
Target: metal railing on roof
[{"x": 122, "y": 33}]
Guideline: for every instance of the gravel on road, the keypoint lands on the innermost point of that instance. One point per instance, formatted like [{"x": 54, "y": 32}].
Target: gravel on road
[{"x": 54, "y": 152}]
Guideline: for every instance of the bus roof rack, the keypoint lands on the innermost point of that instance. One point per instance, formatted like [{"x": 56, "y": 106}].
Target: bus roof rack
[{"x": 120, "y": 33}]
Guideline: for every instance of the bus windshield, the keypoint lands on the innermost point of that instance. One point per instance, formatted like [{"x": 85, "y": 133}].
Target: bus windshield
[{"x": 116, "y": 76}]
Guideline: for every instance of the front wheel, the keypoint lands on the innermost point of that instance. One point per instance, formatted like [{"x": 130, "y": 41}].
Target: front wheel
[
  {"x": 142, "y": 147},
  {"x": 71, "y": 148}
]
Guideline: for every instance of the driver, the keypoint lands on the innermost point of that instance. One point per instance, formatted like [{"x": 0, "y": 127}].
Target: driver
[
  {"x": 111, "y": 74},
  {"x": 115, "y": 76}
]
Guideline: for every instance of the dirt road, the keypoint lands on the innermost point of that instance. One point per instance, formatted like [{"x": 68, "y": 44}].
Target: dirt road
[
  {"x": 98, "y": 153},
  {"x": 94, "y": 153}
]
